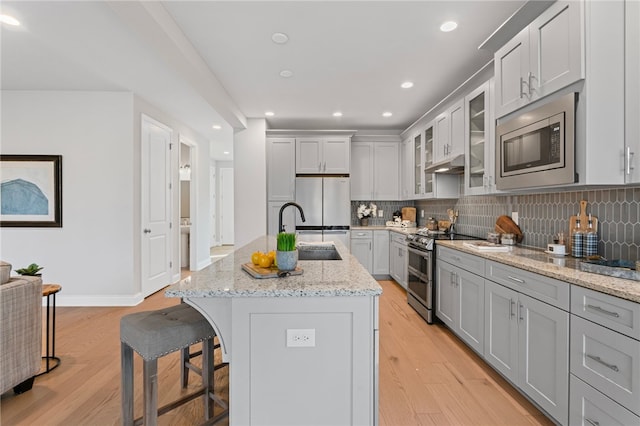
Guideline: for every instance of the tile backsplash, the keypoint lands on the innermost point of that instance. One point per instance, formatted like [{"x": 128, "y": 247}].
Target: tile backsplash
[
  {"x": 543, "y": 215},
  {"x": 388, "y": 207}
]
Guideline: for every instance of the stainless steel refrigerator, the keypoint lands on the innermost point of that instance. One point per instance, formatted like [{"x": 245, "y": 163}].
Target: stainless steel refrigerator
[{"x": 326, "y": 202}]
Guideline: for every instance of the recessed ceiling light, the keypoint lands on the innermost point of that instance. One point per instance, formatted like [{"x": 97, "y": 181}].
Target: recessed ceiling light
[
  {"x": 226, "y": 152},
  {"x": 217, "y": 126},
  {"x": 337, "y": 114},
  {"x": 279, "y": 38},
  {"x": 407, "y": 85},
  {"x": 269, "y": 113},
  {"x": 387, "y": 114},
  {"x": 286, "y": 73},
  {"x": 448, "y": 26},
  {"x": 9, "y": 20}
]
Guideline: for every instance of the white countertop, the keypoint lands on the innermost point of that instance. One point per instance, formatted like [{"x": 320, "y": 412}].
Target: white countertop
[
  {"x": 396, "y": 229},
  {"x": 226, "y": 278},
  {"x": 560, "y": 268}
]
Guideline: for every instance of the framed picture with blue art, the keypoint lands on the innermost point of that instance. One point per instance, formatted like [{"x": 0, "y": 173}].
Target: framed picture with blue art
[{"x": 31, "y": 191}]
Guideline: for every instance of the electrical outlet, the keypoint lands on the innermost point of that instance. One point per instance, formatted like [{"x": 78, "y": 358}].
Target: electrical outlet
[
  {"x": 301, "y": 337},
  {"x": 514, "y": 216},
  {"x": 380, "y": 213}
]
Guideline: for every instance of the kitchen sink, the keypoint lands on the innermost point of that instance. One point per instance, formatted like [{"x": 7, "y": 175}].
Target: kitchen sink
[{"x": 320, "y": 252}]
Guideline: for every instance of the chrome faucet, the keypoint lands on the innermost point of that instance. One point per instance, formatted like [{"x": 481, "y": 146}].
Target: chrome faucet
[{"x": 285, "y": 205}]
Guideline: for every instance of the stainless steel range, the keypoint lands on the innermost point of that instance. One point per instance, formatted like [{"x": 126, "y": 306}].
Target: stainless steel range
[{"x": 420, "y": 289}]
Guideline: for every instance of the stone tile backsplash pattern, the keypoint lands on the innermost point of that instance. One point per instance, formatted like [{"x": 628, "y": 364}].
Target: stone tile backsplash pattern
[{"x": 543, "y": 215}]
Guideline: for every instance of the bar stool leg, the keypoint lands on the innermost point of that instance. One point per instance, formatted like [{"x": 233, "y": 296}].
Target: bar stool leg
[
  {"x": 126, "y": 359},
  {"x": 150, "y": 391},
  {"x": 208, "y": 377},
  {"x": 184, "y": 375}
]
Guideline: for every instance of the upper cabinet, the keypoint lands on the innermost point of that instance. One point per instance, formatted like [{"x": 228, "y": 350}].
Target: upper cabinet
[
  {"x": 543, "y": 58},
  {"x": 374, "y": 170},
  {"x": 324, "y": 155},
  {"x": 449, "y": 133},
  {"x": 281, "y": 166},
  {"x": 632, "y": 89},
  {"x": 406, "y": 184},
  {"x": 479, "y": 142}
]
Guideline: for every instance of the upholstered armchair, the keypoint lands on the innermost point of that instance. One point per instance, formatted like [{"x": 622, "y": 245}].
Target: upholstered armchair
[{"x": 20, "y": 332}]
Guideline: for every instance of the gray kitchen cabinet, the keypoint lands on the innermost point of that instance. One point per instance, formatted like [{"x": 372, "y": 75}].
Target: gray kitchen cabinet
[
  {"x": 528, "y": 342},
  {"x": 380, "y": 252},
  {"x": 632, "y": 90},
  {"x": 479, "y": 171},
  {"x": 460, "y": 295},
  {"x": 374, "y": 171},
  {"x": 323, "y": 155},
  {"x": 449, "y": 132},
  {"x": 605, "y": 347},
  {"x": 281, "y": 169},
  {"x": 398, "y": 258},
  {"x": 544, "y": 57},
  {"x": 362, "y": 248},
  {"x": 589, "y": 407}
]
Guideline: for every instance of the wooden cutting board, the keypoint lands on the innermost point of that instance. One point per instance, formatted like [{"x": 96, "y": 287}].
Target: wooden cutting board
[
  {"x": 259, "y": 272},
  {"x": 506, "y": 225},
  {"x": 584, "y": 223},
  {"x": 409, "y": 213}
]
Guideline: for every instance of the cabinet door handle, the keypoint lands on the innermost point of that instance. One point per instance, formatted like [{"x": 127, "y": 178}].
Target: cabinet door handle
[
  {"x": 628, "y": 162},
  {"x": 604, "y": 311},
  {"x": 147, "y": 231},
  {"x": 512, "y": 304},
  {"x": 606, "y": 364},
  {"x": 320, "y": 166},
  {"x": 529, "y": 77},
  {"x": 591, "y": 422},
  {"x": 369, "y": 245},
  {"x": 520, "y": 309},
  {"x": 518, "y": 280},
  {"x": 325, "y": 166},
  {"x": 522, "y": 82}
]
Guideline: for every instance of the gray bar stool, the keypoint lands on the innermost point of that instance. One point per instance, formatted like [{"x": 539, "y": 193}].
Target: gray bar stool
[{"x": 154, "y": 334}]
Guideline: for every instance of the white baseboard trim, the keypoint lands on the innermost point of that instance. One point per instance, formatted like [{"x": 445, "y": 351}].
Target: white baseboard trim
[{"x": 62, "y": 300}]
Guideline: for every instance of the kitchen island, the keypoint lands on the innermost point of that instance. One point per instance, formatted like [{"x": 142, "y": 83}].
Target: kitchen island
[{"x": 301, "y": 349}]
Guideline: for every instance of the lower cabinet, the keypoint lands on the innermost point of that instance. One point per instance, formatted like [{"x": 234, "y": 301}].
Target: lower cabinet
[
  {"x": 380, "y": 252},
  {"x": 398, "y": 259},
  {"x": 460, "y": 303},
  {"x": 590, "y": 407},
  {"x": 362, "y": 248},
  {"x": 528, "y": 342}
]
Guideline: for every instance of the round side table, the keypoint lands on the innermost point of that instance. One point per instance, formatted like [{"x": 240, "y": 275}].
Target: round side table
[{"x": 52, "y": 361}]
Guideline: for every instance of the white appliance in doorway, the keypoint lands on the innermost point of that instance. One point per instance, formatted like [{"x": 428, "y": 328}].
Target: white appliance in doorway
[{"x": 326, "y": 202}]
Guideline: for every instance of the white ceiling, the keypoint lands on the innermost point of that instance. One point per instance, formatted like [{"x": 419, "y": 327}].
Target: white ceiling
[{"x": 208, "y": 62}]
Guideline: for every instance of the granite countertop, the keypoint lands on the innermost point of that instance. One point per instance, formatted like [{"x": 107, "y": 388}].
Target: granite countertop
[
  {"x": 226, "y": 278},
  {"x": 561, "y": 268}
]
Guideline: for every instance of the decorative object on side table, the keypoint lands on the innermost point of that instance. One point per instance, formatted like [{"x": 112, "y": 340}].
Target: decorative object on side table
[
  {"x": 31, "y": 270},
  {"x": 364, "y": 213},
  {"x": 286, "y": 253}
]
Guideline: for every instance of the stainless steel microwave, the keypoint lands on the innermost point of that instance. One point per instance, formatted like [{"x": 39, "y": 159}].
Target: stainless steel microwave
[{"x": 537, "y": 147}]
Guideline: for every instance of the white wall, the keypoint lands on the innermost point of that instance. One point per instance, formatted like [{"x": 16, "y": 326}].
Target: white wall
[
  {"x": 250, "y": 174},
  {"x": 92, "y": 255}
]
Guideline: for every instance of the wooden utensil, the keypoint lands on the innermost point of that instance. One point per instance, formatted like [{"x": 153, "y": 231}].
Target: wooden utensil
[
  {"x": 584, "y": 222},
  {"x": 506, "y": 225},
  {"x": 409, "y": 213}
]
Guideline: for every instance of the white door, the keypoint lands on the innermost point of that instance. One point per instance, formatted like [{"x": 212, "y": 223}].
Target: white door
[
  {"x": 226, "y": 205},
  {"x": 156, "y": 206}
]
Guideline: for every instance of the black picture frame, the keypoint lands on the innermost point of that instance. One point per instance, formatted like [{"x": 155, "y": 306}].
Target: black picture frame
[{"x": 31, "y": 191}]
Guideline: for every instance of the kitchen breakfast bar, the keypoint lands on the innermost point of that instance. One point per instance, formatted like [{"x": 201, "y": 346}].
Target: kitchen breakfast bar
[{"x": 302, "y": 349}]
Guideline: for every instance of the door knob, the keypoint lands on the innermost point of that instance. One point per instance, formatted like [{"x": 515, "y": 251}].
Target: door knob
[{"x": 147, "y": 231}]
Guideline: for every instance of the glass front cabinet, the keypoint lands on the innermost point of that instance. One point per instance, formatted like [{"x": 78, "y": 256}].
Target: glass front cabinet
[{"x": 479, "y": 173}]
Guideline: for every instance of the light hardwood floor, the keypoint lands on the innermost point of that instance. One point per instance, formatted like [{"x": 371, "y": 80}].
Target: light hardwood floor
[{"x": 427, "y": 377}]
